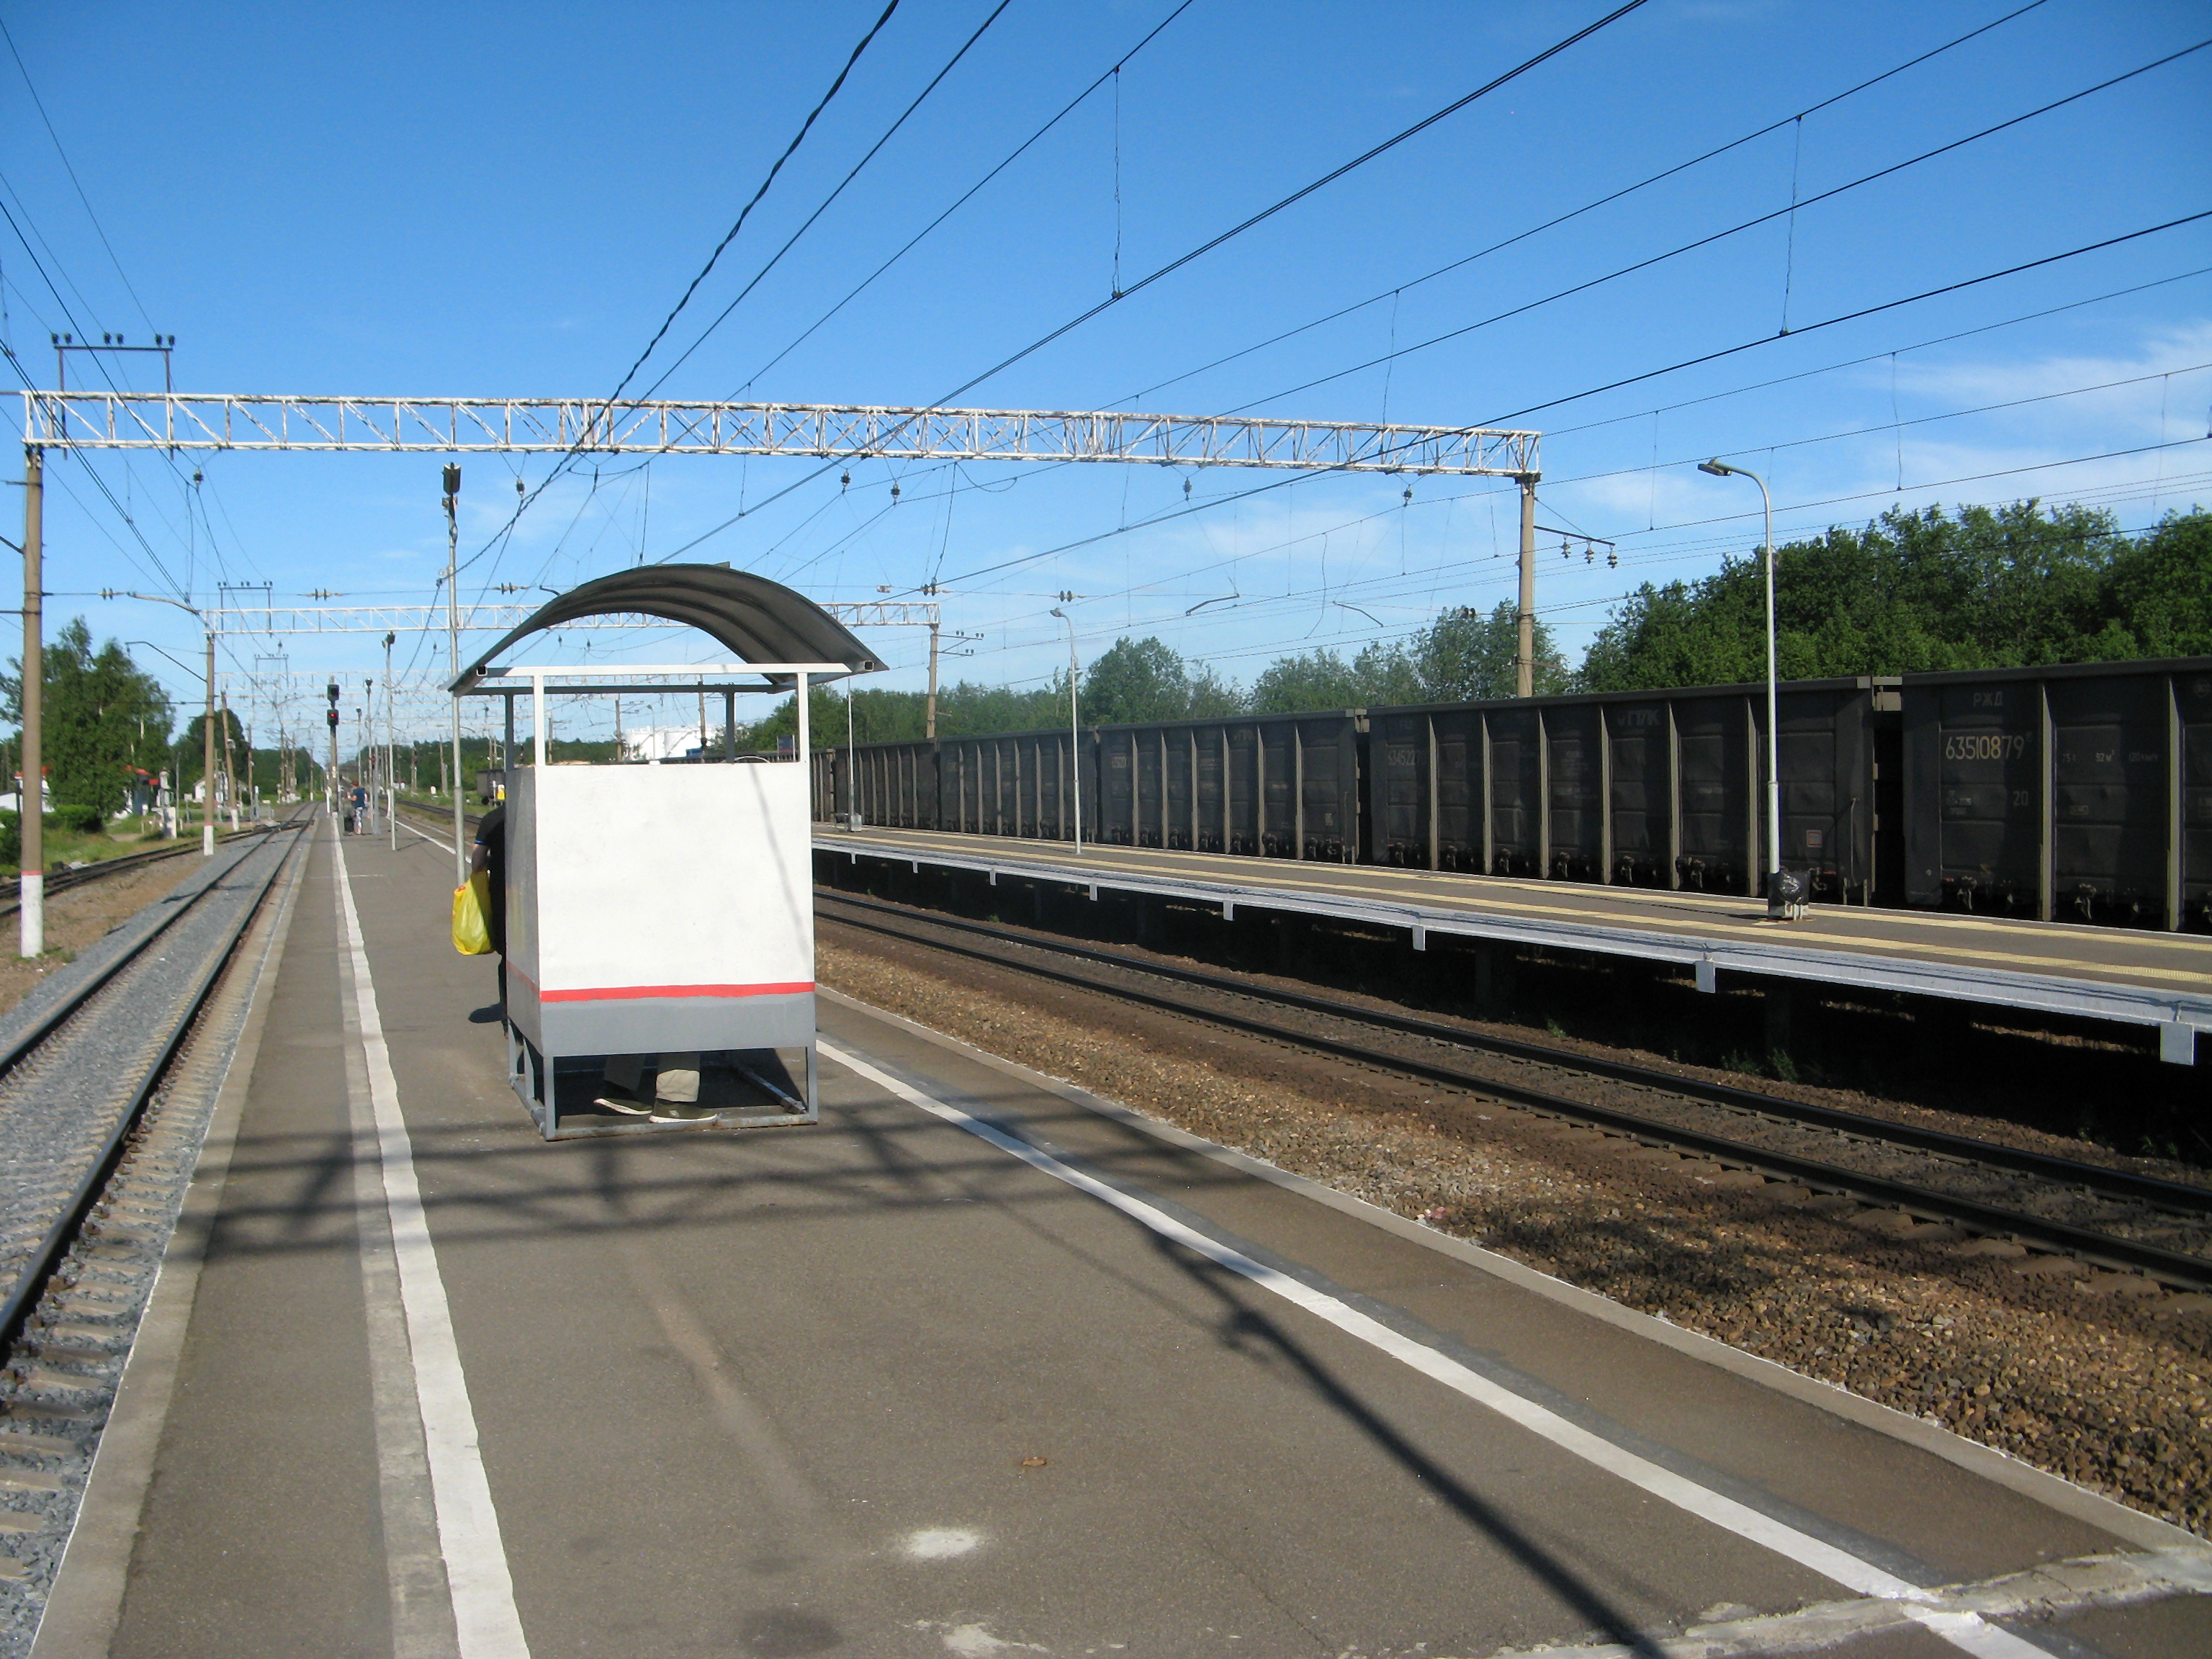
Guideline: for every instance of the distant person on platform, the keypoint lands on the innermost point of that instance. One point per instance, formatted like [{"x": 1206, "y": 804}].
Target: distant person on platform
[{"x": 357, "y": 811}]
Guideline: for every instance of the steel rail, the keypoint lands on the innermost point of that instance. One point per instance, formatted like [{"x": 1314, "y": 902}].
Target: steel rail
[
  {"x": 2117, "y": 1184},
  {"x": 31, "y": 1282},
  {"x": 61, "y": 1012},
  {"x": 2124, "y": 1255},
  {"x": 61, "y": 880}
]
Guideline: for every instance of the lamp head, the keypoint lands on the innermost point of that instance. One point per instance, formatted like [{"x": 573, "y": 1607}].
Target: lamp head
[
  {"x": 1718, "y": 468},
  {"x": 1058, "y": 612}
]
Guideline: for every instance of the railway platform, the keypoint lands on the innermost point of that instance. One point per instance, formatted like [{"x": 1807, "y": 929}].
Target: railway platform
[
  {"x": 979, "y": 1366},
  {"x": 2133, "y": 976}
]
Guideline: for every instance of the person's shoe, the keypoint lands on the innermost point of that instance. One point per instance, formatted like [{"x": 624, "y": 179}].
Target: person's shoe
[
  {"x": 615, "y": 1101},
  {"x": 680, "y": 1111}
]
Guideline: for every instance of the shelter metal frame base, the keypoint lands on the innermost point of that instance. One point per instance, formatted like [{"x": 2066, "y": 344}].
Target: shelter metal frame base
[{"x": 534, "y": 1077}]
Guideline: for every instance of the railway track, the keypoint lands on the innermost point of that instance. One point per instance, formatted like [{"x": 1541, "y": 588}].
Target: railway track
[
  {"x": 81, "y": 1058},
  {"x": 60, "y": 881},
  {"x": 2117, "y": 1219}
]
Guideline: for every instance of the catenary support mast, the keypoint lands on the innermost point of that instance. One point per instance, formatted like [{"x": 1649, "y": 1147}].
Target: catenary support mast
[{"x": 30, "y": 799}]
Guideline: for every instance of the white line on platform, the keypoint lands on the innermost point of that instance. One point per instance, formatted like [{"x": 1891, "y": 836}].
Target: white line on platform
[
  {"x": 1965, "y": 1631},
  {"x": 484, "y": 1616},
  {"x": 425, "y": 833}
]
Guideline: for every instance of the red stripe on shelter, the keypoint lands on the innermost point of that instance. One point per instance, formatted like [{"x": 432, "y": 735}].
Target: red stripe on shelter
[{"x": 637, "y": 993}]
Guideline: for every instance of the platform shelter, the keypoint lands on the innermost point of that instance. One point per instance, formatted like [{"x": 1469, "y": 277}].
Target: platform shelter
[{"x": 656, "y": 908}]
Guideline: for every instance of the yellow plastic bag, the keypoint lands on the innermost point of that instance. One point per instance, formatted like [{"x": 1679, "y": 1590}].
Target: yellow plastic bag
[{"x": 472, "y": 909}]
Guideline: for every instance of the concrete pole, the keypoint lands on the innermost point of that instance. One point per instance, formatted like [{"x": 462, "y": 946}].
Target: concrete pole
[
  {"x": 30, "y": 797},
  {"x": 929, "y": 716},
  {"x": 1524, "y": 662},
  {"x": 207, "y": 758},
  {"x": 390, "y": 763}
]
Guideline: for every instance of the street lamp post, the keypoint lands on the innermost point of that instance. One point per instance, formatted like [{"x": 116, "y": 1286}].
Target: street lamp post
[
  {"x": 1074, "y": 731},
  {"x": 1785, "y": 892}
]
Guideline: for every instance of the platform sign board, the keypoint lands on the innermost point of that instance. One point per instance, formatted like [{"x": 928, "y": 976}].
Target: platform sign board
[{"x": 656, "y": 908}]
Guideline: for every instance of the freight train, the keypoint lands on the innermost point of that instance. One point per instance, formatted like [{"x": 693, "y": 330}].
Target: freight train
[{"x": 2081, "y": 792}]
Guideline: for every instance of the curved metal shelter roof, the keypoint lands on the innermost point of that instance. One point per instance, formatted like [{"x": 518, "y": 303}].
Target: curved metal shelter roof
[{"x": 759, "y": 620}]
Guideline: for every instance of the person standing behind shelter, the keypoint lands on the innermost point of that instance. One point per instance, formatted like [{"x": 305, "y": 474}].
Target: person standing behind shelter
[{"x": 488, "y": 857}]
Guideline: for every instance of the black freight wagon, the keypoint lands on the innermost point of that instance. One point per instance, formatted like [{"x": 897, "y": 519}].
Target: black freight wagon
[
  {"x": 1270, "y": 785},
  {"x": 2073, "y": 793},
  {"x": 1635, "y": 788},
  {"x": 896, "y": 785},
  {"x": 1019, "y": 783}
]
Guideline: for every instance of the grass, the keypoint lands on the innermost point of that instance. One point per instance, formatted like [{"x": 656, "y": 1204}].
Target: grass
[{"x": 120, "y": 840}]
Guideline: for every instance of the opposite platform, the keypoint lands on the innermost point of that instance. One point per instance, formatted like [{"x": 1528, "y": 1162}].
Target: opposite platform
[{"x": 2128, "y": 975}]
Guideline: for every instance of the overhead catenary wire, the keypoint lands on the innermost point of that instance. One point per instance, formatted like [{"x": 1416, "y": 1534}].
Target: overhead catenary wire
[
  {"x": 667, "y": 322},
  {"x": 1791, "y": 211},
  {"x": 776, "y": 259},
  {"x": 39, "y": 104},
  {"x": 1942, "y": 339},
  {"x": 962, "y": 200},
  {"x": 1393, "y": 292},
  {"x": 1854, "y": 316},
  {"x": 1202, "y": 249},
  {"x": 1763, "y": 340}
]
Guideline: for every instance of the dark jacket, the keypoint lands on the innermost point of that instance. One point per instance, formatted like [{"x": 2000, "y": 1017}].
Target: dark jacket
[{"x": 491, "y": 835}]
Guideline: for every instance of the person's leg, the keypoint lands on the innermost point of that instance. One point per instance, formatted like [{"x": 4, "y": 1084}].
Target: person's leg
[
  {"x": 620, "y": 1079},
  {"x": 676, "y": 1090}
]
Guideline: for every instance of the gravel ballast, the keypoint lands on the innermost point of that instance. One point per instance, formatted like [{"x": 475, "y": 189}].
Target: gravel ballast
[{"x": 2070, "y": 1370}]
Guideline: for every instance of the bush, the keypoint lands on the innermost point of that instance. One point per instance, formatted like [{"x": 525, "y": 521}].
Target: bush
[
  {"x": 11, "y": 838},
  {"x": 77, "y": 820}
]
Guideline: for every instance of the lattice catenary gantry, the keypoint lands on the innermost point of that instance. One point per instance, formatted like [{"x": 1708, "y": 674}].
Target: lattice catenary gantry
[{"x": 540, "y": 426}]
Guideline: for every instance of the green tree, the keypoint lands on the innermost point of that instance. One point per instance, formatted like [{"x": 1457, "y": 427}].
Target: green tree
[
  {"x": 1465, "y": 655},
  {"x": 1137, "y": 680},
  {"x": 1917, "y": 592},
  {"x": 102, "y": 716},
  {"x": 190, "y": 749},
  {"x": 1212, "y": 696},
  {"x": 1300, "y": 684},
  {"x": 2158, "y": 591}
]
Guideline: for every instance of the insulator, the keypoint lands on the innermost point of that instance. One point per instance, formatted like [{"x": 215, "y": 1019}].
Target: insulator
[
  {"x": 1409, "y": 495},
  {"x": 844, "y": 480},
  {"x": 1589, "y": 556},
  {"x": 1613, "y": 561},
  {"x": 893, "y": 492},
  {"x": 1186, "y": 489}
]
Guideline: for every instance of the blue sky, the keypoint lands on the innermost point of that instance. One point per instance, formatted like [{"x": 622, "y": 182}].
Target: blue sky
[{"x": 507, "y": 200}]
